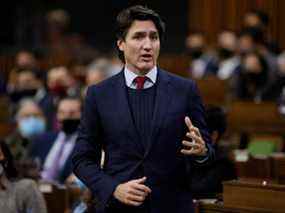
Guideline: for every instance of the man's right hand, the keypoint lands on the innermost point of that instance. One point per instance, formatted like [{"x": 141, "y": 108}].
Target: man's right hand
[{"x": 132, "y": 193}]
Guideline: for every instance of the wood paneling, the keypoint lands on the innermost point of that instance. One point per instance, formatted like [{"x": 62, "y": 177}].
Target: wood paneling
[
  {"x": 212, "y": 16},
  {"x": 255, "y": 118}
]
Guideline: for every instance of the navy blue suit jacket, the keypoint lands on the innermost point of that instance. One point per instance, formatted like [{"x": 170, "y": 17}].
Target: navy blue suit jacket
[
  {"x": 40, "y": 148},
  {"x": 107, "y": 124}
]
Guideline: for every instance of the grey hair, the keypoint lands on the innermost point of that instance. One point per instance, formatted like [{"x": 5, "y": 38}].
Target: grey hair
[
  {"x": 24, "y": 102},
  {"x": 102, "y": 66}
]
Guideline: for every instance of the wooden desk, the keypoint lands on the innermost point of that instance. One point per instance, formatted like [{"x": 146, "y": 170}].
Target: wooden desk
[
  {"x": 254, "y": 168},
  {"x": 220, "y": 208},
  {"x": 56, "y": 197},
  {"x": 278, "y": 167},
  {"x": 255, "y": 118},
  {"x": 254, "y": 196}
]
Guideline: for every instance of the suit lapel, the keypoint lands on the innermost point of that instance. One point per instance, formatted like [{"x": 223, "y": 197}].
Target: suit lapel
[
  {"x": 162, "y": 101},
  {"x": 123, "y": 109}
]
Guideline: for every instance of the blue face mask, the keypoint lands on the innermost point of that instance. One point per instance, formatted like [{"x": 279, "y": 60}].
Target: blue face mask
[{"x": 31, "y": 126}]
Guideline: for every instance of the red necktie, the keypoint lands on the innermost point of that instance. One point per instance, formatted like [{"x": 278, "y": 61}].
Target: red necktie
[{"x": 140, "y": 81}]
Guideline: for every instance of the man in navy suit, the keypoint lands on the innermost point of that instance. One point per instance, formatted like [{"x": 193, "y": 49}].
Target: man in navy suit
[
  {"x": 53, "y": 149},
  {"x": 149, "y": 123}
]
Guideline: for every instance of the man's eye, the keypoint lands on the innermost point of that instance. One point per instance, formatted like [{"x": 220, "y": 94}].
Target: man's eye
[{"x": 155, "y": 37}]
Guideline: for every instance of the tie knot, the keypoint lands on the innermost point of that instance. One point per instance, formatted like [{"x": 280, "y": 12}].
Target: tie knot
[{"x": 140, "y": 81}]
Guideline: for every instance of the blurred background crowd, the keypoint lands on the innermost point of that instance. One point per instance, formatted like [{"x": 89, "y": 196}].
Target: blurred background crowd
[{"x": 46, "y": 68}]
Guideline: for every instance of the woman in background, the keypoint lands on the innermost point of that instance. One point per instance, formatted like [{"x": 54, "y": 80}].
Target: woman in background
[{"x": 17, "y": 195}]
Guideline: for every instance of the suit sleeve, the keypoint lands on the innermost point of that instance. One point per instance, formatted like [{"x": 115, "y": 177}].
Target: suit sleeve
[
  {"x": 87, "y": 153},
  {"x": 197, "y": 116}
]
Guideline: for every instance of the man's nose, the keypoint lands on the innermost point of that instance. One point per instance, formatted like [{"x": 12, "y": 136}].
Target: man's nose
[{"x": 147, "y": 45}]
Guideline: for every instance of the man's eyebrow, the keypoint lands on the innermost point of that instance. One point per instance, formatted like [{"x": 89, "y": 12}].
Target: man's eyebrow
[{"x": 145, "y": 32}]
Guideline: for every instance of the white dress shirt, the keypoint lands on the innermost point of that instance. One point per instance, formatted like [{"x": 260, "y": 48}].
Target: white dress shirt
[
  {"x": 130, "y": 78},
  {"x": 61, "y": 140}
]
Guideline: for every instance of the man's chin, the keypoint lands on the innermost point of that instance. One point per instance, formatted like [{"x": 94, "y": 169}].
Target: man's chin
[{"x": 146, "y": 67}]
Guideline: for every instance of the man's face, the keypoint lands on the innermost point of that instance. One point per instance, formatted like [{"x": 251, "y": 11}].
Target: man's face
[
  {"x": 27, "y": 80},
  {"x": 30, "y": 110},
  {"x": 141, "y": 46},
  {"x": 69, "y": 109},
  {"x": 59, "y": 75}
]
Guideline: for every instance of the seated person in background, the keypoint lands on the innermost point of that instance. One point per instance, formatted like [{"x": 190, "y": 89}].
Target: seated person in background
[
  {"x": 228, "y": 62},
  {"x": 61, "y": 83},
  {"x": 24, "y": 60},
  {"x": 207, "y": 180},
  {"x": 277, "y": 88},
  {"x": 30, "y": 122},
  {"x": 253, "y": 78},
  {"x": 30, "y": 83},
  {"x": 201, "y": 58},
  {"x": 96, "y": 72},
  {"x": 53, "y": 149},
  {"x": 17, "y": 195}
]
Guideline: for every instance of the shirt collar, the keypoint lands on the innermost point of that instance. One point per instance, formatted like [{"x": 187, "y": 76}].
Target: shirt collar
[
  {"x": 130, "y": 76},
  {"x": 67, "y": 138}
]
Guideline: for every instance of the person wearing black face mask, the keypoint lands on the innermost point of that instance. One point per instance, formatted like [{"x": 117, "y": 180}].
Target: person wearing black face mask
[
  {"x": 225, "y": 53},
  {"x": 202, "y": 62},
  {"x": 195, "y": 52},
  {"x": 228, "y": 63},
  {"x": 54, "y": 149},
  {"x": 26, "y": 85},
  {"x": 17, "y": 195},
  {"x": 253, "y": 79},
  {"x": 30, "y": 84},
  {"x": 69, "y": 126}
]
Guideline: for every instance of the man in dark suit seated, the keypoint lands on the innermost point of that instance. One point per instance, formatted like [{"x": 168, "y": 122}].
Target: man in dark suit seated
[
  {"x": 53, "y": 149},
  {"x": 150, "y": 123}
]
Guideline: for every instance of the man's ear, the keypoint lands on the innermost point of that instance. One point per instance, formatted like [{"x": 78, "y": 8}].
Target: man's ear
[{"x": 120, "y": 44}]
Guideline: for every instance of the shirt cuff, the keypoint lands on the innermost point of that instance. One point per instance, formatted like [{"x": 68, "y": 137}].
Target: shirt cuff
[{"x": 202, "y": 159}]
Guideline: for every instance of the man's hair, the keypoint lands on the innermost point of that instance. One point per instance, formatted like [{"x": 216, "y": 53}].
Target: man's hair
[
  {"x": 26, "y": 101},
  {"x": 127, "y": 16},
  {"x": 70, "y": 98}
]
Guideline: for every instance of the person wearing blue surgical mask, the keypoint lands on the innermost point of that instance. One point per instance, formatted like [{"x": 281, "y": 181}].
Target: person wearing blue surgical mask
[
  {"x": 30, "y": 122},
  {"x": 31, "y": 126},
  {"x": 30, "y": 119}
]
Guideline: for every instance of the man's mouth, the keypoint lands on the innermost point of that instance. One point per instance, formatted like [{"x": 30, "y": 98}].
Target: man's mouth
[{"x": 146, "y": 57}]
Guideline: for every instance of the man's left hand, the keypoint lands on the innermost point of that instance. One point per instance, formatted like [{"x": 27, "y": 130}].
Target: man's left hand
[{"x": 197, "y": 145}]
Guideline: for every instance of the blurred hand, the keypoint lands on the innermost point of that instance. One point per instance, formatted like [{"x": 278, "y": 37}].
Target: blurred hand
[
  {"x": 197, "y": 146},
  {"x": 132, "y": 193}
]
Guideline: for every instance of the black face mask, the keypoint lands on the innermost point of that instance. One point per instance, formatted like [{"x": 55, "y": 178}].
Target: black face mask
[
  {"x": 225, "y": 53},
  {"x": 18, "y": 95},
  {"x": 69, "y": 126},
  {"x": 258, "y": 79},
  {"x": 195, "y": 53}
]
